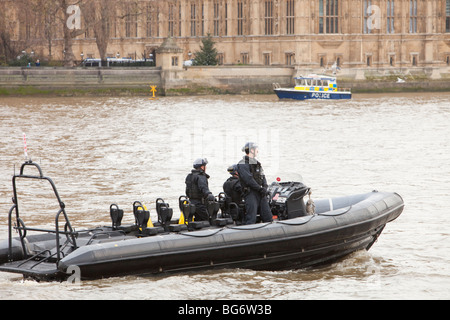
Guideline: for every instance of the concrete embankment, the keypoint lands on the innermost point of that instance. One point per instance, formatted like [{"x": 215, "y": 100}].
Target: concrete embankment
[
  {"x": 77, "y": 81},
  {"x": 201, "y": 80}
]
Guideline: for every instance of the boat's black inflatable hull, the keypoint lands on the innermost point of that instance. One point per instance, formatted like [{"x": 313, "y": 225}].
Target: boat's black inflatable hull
[
  {"x": 295, "y": 239},
  {"x": 354, "y": 223}
]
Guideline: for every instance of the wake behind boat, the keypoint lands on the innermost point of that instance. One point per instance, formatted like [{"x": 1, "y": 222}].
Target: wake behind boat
[
  {"x": 297, "y": 237},
  {"x": 313, "y": 87}
]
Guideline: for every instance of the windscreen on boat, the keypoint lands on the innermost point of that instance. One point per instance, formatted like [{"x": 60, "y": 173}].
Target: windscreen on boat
[
  {"x": 312, "y": 82},
  {"x": 284, "y": 176}
]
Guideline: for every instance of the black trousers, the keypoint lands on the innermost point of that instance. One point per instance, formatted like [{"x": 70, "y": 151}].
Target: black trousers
[
  {"x": 254, "y": 204},
  {"x": 201, "y": 213}
]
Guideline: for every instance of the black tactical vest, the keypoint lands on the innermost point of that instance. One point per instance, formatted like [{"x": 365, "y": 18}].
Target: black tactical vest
[
  {"x": 229, "y": 189},
  {"x": 192, "y": 190},
  {"x": 257, "y": 172}
]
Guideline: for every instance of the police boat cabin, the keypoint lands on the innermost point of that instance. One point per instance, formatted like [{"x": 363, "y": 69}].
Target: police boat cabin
[{"x": 313, "y": 87}]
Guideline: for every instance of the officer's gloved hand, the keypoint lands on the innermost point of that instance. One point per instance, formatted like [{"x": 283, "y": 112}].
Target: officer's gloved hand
[
  {"x": 210, "y": 197},
  {"x": 263, "y": 191}
]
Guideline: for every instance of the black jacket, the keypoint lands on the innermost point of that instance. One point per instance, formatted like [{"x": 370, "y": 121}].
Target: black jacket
[
  {"x": 233, "y": 189},
  {"x": 251, "y": 174},
  {"x": 197, "y": 184}
]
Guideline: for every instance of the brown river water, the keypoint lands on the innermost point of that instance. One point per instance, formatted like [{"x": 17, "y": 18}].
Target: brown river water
[{"x": 102, "y": 150}]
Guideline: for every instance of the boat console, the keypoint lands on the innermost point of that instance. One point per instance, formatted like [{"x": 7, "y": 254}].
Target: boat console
[{"x": 287, "y": 199}]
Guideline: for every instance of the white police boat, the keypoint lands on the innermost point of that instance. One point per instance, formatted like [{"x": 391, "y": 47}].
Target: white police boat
[{"x": 313, "y": 87}]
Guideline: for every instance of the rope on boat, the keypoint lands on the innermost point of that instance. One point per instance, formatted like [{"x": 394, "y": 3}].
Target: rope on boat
[
  {"x": 262, "y": 225},
  {"x": 253, "y": 227},
  {"x": 201, "y": 235},
  {"x": 290, "y": 223}
]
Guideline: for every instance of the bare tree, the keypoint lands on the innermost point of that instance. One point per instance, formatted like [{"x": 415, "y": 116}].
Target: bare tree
[
  {"x": 102, "y": 15},
  {"x": 49, "y": 10},
  {"x": 41, "y": 22},
  {"x": 69, "y": 33},
  {"x": 5, "y": 42},
  {"x": 67, "y": 19},
  {"x": 18, "y": 31},
  {"x": 98, "y": 16}
]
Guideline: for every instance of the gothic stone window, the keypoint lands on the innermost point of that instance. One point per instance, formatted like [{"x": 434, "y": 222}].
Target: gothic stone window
[
  {"x": 328, "y": 16},
  {"x": 390, "y": 16},
  {"x": 447, "y": 16},
  {"x": 290, "y": 17},
  {"x": 268, "y": 17},
  {"x": 412, "y": 16}
]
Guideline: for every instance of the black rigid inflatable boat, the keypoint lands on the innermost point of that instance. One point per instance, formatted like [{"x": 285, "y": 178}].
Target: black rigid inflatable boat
[{"x": 295, "y": 239}]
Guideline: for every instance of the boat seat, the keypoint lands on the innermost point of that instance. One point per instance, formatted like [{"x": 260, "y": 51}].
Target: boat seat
[
  {"x": 187, "y": 209},
  {"x": 151, "y": 231},
  {"x": 141, "y": 215},
  {"x": 212, "y": 207},
  {"x": 128, "y": 228},
  {"x": 197, "y": 225},
  {"x": 177, "y": 227},
  {"x": 116, "y": 215},
  {"x": 221, "y": 222},
  {"x": 164, "y": 215}
]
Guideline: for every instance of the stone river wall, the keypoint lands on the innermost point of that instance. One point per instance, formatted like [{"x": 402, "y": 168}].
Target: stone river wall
[{"x": 205, "y": 80}]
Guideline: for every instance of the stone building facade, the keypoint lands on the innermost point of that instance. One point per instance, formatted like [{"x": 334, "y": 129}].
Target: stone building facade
[{"x": 302, "y": 33}]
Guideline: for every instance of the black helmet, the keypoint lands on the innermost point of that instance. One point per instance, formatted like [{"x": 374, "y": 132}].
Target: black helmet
[
  {"x": 232, "y": 169},
  {"x": 248, "y": 146},
  {"x": 200, "y": 162}
]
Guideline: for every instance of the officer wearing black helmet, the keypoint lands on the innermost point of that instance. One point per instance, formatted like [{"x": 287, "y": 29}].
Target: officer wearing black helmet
[
  {"x": 254, "y": 184},
  {"x": 197, "y": 189},
  {"x": 233, "y": 191}
]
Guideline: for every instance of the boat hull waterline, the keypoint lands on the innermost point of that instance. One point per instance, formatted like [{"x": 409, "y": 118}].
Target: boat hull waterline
[{"x": 306, "y": 95}]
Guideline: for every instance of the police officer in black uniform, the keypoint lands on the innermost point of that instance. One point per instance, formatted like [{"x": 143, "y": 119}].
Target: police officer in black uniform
[
  {"x": 254, "y": 184},
  {"x": 233, "y": 190},
  {"x": 197, "y": 189}
]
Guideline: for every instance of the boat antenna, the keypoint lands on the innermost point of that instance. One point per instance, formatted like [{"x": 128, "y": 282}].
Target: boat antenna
[{"x": 25, "y": 149}]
